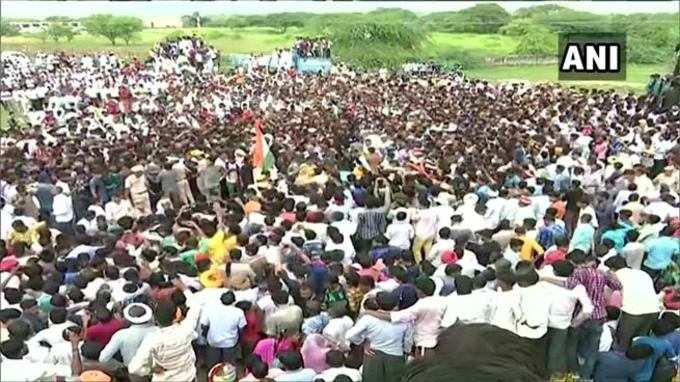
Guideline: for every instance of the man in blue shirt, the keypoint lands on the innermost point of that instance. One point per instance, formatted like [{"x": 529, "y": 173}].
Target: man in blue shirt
[
  {"x": 385, "y": 359},
  {"x": 621, "y": 367},
  {"x": 660, "y": 251},
  {"x": 660, "y": 348}
]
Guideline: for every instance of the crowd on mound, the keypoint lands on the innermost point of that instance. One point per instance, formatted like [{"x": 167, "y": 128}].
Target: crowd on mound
[{"x": 410, "y": 227}]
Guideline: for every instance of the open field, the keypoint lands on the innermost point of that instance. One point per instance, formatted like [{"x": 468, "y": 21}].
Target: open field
[
  {"x": 246, "y": 40},
  {"x": 636, "y": 76}
]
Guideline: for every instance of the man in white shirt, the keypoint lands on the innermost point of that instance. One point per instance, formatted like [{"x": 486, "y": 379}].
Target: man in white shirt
[
  {"x": 444, "y": 243},
  {"x": 561, "y": 316},
  {"x": 640, "y": 306},
  {"x": 425, "y": 315},
  {"x": 118, "y": 208},
  {"x": 223, "y": 322},
  {"x": 62, "y": 210},
  {"x": 466, "y": 306},
  {"x": 534, "y": 317},
  {"x": 400, "y": 232},
  {"x": 336, "y": 360}
]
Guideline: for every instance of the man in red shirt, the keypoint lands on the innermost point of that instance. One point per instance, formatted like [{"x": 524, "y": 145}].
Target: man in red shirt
[{"x": 104, "y": 329}]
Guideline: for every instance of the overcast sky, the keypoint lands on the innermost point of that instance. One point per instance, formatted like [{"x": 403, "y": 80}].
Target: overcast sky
[{"x": 144, "y": 9}]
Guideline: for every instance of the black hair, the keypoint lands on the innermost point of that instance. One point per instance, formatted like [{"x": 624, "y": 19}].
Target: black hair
[
  {"x": 280, "y": 297},
  {"x": 463, "y": 285},
  {"x": 12, "y": 295},
  {"x": 615, "y": 263},
  {"x": 91, "y": 350},
  {"x": 290, "y": 360},
  {"x": 58, "y": 315},
  {"x": 335, "y": 358},
  {"x": 563, "y": 268},
  {"x": 19, "y": 329},
  {"x": 228, "y": 298},
  {"x": 12, "y": 348},
  {"x": 165, "y": 313},
  {"x": 386, "y": 301},
  {"x": 425, "y": 285}
]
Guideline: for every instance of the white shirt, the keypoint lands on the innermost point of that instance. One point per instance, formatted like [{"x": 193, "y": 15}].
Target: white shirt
[
  {"x": 639, "y": 296},
  {"x": 62, "y": 208},
  {"x": 337, "y": 328},
  {"x": 434, "y": 256},
  {"x": 224, "y": 323},
  {"x": 21, "y": 370},
  {"x": 535, "y": 311},
  {"x": 427, "y": 223},
  {"x": 563, "y": 302},
  {"x": 506, "y": 310},
  {"x": 427, "y": 317},
  {"x": 115, "y": 211},
  {"x": 473, "y": 308},
  {"x": 400, "y": 234},
  {"x": 329, "y": 375}
]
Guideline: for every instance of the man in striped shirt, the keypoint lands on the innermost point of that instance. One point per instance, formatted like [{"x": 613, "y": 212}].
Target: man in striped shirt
[
  {"x": 372, "y": 222},
  {"x": 167, "y": 354}
]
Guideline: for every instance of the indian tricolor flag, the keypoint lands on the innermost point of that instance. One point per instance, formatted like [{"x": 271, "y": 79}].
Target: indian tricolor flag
[{"x": 263, "y": 159}]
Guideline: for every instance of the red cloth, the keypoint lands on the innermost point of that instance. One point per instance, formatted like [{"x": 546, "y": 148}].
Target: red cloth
[
  {"x": 162, "y": 294},
  {"x": 112, "y": 107},
  {"x": 290, "y": 216},
  {"x": 671, "y": 299},
  {"x": 102, "y": 332},
  {"x": 449, "y": 257},
  {"x": 130, "y": 238},
  {"x": 555, "y": 255},
  {"x": 253, "y": 331}
]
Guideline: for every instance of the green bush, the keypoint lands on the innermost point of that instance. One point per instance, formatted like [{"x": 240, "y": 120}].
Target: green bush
[
  {"x": 7, "y": 29},
  {"x": 481, "y": 18},
  {"x": 466, "y": 58},
  {"x": 519, "y": 27},
  {"x": 536, "y": 42}
]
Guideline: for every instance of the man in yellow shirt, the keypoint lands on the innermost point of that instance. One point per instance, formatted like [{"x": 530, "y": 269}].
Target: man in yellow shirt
[
  {"x": 21, "y": 233},
  {"x": 530, "y": 247}
]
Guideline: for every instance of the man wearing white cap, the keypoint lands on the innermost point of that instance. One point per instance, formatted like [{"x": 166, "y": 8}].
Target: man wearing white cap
[
  {"x": 127, "y": 341},
  {"x": 136, "y": 186}
]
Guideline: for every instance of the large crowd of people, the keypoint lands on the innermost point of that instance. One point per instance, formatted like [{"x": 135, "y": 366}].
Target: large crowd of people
[{"x": 410, "y": 227}]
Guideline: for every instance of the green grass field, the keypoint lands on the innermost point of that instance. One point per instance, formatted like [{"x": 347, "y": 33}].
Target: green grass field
[
  {"x": 636, "y": 76},
  {"x": 491, "y": 45},
  {"x": 246, "y": 40}
]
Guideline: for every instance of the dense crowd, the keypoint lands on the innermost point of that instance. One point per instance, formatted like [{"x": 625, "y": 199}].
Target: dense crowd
[
  {"x": 416, "y": 227},
  {"x": 312, "y": 47}
]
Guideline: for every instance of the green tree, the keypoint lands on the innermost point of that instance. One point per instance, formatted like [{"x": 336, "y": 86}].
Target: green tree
[
  {"x": 482, "y": 18},
  {"x": 519, "y": 27},
  {"x": 113, "y": 28},
  {"x": 7, "y": 29},
  {"x": 371, "y": 45},
  {"x": 57, "y": 31},
  {"x": 194, "y": 20},
  {"x": 536, "y": 42},
  {"x": 61, "y": 19}
]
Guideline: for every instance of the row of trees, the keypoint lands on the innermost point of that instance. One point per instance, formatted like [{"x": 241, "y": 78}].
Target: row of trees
[{"x": 113, "y": 28}]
